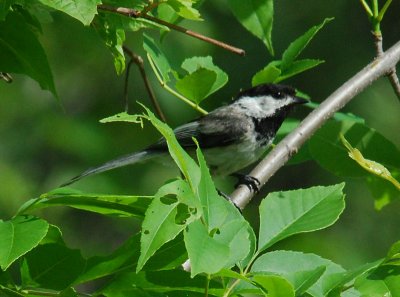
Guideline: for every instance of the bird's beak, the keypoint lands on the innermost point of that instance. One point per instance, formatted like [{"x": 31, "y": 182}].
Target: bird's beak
[{"x": 299, "y": 100}]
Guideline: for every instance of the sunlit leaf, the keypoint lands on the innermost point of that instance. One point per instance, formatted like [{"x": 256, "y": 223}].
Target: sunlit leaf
[
  {"x": 283, "y": 214},
  {"x": 197, "y": 85},
  {"x": 19, "y": 236},
  {"x": 257, "y": 17},
  {"x": 297, "y": 46},
  {"x": 195, "y": 63},
  {"x": 369, "y": 165},
  {"x": 112, "y": 205},
  {"x": 168, "y": 214},
  {"x": 269, "y": 74},
  {"x": 83, "y": 11},
  {"x": 110, "y": 29}
]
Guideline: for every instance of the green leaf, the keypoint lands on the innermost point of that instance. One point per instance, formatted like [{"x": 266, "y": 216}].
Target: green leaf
[
  {"x": 19, "y": 236},
  {"x": 269, "y": 74},
  {"x": 383, "y": 281},
  {"x": 326, "y": 143},
  {"x": 50, "y": 261},
  {"x": 5, "y": 8},
  {"x": 195, "y": 63},
  {"x": 274, "y": 285},
  {"x": 337, "y": 282},
  {"x": 184, "y": 9},
  {"x": 185, "y": 163},
  {"x": 123, "y": 117},
  {"x": 205, "y": 254},
  {"x": 257, "y": 17},
  {"x": 197, "y": 85},
  {"x": 166, "y": 217},
  {"x": 21, "y": 52},
  {"x": 283, "y": 214},
  {"x": 306, "y": 272},
  {"x": 174, "y": 282},
  {"x": 100, "y": 266},
  {"x": 109, "y": 27},
  {"x": 84, "y": 11},
  {"x": 297, "y": 67},
  {"x": 53, "y": 235},
  {"x": 393, "y": 254},
  {"x": 297, "y": 46},
  {"x": 111, "y": 205},
  {"x": 170, "y": 256},
  {"x": 224, "y": 234},
  {"x": 7, "y": 292},
  {"x": 161, "y": 61}
]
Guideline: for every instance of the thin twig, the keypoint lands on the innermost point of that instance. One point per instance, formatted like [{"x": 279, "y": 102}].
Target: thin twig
[
  {"x": 139, "y": 62},
  {"x": 392, "y": 76},
  {"x": 128, "y": 71},
  {"x": 292, "y": 142},
  {"x": 133, "y": 13}
]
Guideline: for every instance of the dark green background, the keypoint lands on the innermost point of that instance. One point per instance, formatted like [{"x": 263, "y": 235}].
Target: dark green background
[{"x": 44, "y": 142}]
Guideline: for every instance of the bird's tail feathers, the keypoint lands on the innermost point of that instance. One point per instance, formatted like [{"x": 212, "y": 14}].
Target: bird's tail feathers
[{"x": 120, "y": 162}]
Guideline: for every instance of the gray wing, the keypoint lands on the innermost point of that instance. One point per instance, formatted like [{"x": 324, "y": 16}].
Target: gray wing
[{"x": 214, "y": 129}]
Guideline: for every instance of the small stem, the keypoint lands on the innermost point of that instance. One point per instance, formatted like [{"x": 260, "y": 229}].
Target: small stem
[
  {"x": 129, "y": 12},
  {"x": 392, "y": 76},
  {"x": 207, "y": 285},
  {"x": 128, "y": 71},
  {"x": 383, "y": 10},
  {"x": 366, "y": 8},
  {"x": 394, "y": 80},
  {"x": 173, "y": 92},
  {"x": 139, "y": 62},
  {"x": 375, "y": 8}
]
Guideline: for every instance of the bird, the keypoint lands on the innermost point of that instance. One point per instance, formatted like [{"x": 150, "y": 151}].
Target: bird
[{"x": 231, "y": 137}]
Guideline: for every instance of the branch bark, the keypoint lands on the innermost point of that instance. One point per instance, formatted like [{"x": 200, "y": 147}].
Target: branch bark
[
  {"x": 139, "y": 62},
  {"x": 392, "y": 75},
  {"x": 291, "y": 143},
  {"x": 133, "y": 13}
]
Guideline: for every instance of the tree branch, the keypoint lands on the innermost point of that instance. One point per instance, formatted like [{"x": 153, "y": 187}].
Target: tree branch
[
  {"x": 133, "y": 13},
  {"x": 392, "y": 75},
  {"x": 139, "y": 62},
  {"x": 291, "y": 143}
]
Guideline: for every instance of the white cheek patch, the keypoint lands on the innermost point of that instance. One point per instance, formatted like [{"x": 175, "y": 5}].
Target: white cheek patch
[{"x": 263, "y": 106}]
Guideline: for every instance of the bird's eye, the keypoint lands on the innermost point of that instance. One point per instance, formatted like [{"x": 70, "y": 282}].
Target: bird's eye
[{"x": 279, "y": 95}]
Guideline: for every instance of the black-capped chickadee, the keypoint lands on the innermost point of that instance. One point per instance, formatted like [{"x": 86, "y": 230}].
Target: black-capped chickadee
[{"x": 231, "y": 137}]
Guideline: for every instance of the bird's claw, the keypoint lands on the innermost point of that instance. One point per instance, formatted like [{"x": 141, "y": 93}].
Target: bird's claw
[{"x": 252, "y": 183}]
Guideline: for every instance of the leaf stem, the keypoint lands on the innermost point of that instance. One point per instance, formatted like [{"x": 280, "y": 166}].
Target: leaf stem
[
  {"x": 383, "y": 10},
  {"x": 392, "y": 75},
  {"x": 366, "y": 8},
  {"x": 133, "y": 13},
  {"x": 173, "y": 92}
]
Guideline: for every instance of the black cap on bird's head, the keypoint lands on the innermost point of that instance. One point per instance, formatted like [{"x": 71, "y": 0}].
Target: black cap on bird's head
[
  {"x": 268, "y": 100},
  {"x": 276, "y": 91}
]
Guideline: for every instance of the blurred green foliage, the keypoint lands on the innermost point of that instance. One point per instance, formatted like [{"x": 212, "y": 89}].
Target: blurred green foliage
[{"x": 44, "y": 142}]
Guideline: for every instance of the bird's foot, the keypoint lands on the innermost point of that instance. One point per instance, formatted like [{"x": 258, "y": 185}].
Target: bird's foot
[{"x": 252, "y": 183}]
